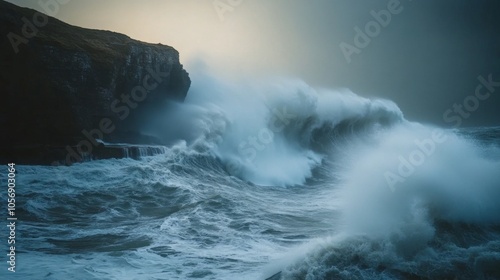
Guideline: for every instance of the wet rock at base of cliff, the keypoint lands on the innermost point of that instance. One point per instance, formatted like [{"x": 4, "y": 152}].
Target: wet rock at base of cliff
[{"x": 65, "y": 80}]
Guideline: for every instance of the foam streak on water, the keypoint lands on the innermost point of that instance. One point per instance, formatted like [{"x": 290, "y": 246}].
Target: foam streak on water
[{"x": 292, "y": 181}]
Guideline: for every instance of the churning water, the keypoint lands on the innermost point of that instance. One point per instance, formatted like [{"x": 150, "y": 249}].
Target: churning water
[{"x": 270, "y": 177}]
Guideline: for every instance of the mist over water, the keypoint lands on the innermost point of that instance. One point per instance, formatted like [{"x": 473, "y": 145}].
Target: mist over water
[
  {"x": 270, "y": 175},
  {"x": 272, "y": 132}
]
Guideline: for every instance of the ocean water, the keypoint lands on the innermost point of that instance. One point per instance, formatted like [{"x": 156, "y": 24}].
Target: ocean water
[{"x": 271, "y": 177}]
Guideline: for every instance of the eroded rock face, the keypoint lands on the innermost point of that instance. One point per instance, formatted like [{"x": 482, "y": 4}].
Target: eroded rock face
[{"x": 61, "y": 79}]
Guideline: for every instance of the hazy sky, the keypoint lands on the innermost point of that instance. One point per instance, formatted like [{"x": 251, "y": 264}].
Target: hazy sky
[{"x": 427, "y": 58}]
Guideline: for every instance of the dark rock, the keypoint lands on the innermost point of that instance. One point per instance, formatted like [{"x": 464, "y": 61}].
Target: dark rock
[
  {"x": 67, "y": 155},
  {"x": 66, "y": 79}
]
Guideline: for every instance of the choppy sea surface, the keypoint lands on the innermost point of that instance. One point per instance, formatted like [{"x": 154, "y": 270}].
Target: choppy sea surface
[{"x": 312, "y": 184}]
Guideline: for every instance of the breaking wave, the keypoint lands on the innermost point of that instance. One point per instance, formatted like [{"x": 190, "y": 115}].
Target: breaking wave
[{"x": 274, "y": 177}]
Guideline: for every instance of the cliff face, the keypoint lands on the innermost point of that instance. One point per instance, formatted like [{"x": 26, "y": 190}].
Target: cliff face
[{"x": 57, "y": 80}]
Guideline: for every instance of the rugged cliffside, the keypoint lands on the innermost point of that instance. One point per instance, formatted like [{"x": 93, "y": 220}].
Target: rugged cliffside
[{"x": 58, "y": 80}]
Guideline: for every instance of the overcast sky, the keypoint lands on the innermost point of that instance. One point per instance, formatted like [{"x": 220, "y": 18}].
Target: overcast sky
[{"x": 426, "y": 58}]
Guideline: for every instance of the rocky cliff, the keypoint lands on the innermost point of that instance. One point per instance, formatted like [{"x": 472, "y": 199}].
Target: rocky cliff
[{"x": 62, "y": 84}]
